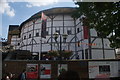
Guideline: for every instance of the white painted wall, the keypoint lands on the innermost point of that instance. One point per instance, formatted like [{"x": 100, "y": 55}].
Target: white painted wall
[
  {"x": 109, "y": 54},
  {"x": 93, "y": 68},
  {"x": 97, "y": 54}
]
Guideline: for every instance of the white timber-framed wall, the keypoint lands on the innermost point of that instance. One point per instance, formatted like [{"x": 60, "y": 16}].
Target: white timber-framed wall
[
  {"x": 94, "y": 47},
  {"x": 60, "y": 20}
]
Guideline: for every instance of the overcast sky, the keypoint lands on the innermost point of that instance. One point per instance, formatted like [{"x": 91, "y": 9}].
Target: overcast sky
[{"x": 14, "y": 12}]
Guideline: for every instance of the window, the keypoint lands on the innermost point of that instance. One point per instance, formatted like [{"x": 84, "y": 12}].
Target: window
[
  {"x": 104, "y": 69},
  {"x": 78, "y": 30},
  {"x": 24, "y": 37},
  {"x": 37, "y": 34},
  {"x": 69, "y": 32},
  {"x": 29, "y": 35}
]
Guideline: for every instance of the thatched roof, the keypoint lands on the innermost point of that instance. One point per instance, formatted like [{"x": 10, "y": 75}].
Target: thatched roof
[{"x": 52, "y": 11}]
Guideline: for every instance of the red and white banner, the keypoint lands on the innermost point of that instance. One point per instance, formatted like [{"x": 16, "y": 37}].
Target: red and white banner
[
  {"x": 32, "y": 71},
  {"x": 45, "y": 71}
]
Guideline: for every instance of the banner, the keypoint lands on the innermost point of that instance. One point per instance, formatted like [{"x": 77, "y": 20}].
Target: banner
[
  {"x": 85, "y": 32},
  {"x": 45, "y": 71},
  {"x": 32, "y": 71},
  {"x": 44, "y": 21},
  {"x": 62, "y": 67}
]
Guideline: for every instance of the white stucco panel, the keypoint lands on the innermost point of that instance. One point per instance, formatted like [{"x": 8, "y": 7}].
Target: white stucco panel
[
  {"x": 78, "y": 20},
  {"x": 36, "y": 48},
  {"x": 69, "y": 23},
  {"x": 97, "y": 54},
  {"x": 57, "y": 23},
  {"x": 109, "y": 54},
  {"x": 97, "y": 42},
  {"x": 72, "y": 46},
  {"x": 46, "y": 47},
  {"x": 26, "y": 29},
  {"x": 37, "y": 26},
  {"x": 29, "y": 47},
  {"x": 48, "y": 23},
  {"x": 67, "y": 17},
  {"x": 106, "y": 43},
  {"x": 30, "y": 27},
  {"x": 58, "y": 17}
]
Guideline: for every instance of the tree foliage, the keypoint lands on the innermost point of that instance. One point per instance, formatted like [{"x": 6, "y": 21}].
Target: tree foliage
[{"x": 104, "y": 17}]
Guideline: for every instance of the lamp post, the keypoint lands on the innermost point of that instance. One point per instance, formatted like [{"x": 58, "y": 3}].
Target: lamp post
[{"x": 56, "y": 35}]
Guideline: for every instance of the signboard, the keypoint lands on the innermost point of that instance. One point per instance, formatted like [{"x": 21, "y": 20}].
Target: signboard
[
  {"x": 45, "y": 71},
  {"x": 32, "y": 71},
  {"x": 109, "y": 68},
  {"x": 62, "y": 67}
]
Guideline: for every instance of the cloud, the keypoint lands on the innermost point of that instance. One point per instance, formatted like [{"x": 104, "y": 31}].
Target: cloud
[
  {"x": 5, "y": 8},
  {"x": 36, "y": 3},
  {"x": 39, "y": 3}
]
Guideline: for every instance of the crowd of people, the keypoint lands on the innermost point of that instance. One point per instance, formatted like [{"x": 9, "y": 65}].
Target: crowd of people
[
  {"x": 64, "y": 75},
  {"x": 10, "y": 76}
]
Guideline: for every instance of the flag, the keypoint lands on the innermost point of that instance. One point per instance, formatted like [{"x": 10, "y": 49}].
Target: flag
[
  {"x": 44, "y": 20},
  {"x": 85, "y": 32}
]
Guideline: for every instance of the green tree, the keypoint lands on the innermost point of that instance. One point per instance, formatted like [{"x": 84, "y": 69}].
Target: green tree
[{"x": 104, "y": 17}]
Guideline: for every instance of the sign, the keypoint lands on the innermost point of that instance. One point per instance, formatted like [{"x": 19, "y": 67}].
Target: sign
[
  {"x": 32, "y": 71},
  {"x": 109, "y": 68},
  {"x": 45, "y": 71},
  {"x": 62, "y": 67}
]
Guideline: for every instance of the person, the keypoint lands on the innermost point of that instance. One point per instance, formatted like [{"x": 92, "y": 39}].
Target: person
[
  {"x": 23, "y": 75},
  {"x": 69, "y": 75},
  {"x": 8, "y": 76}
]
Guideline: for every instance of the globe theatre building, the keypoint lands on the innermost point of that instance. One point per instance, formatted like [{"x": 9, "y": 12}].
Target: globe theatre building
[{"x": 60, "y": 20}]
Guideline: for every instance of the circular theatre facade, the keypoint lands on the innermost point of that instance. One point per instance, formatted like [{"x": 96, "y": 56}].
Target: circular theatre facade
[
  {"x": 58, "y": 20},
  {"x": 38, "y": 35}
]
